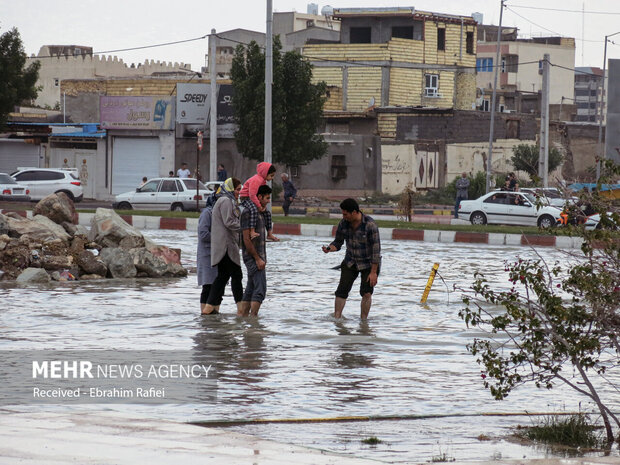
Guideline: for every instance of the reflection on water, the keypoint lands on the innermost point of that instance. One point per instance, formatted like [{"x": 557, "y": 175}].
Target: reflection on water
[{"x": 295, "y": 360}]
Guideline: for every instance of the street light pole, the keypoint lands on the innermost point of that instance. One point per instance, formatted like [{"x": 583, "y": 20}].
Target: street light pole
[
  {"x": 268, "y": 79},
  {"x": 494, "y": 94},
  {"x": 601, "y": 151}
]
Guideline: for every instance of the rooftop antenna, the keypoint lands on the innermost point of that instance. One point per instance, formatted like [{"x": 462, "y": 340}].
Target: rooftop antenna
[{"x": 583, "y": 28}]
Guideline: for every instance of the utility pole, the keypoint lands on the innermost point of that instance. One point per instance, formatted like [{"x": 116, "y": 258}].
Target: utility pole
[
  {"x": 601, "y": 150},
  {"x": 543, "y": 153},
  {"x": 492, "y": 128},
  {"x": 213, "y": 112},
  {"x": 268, "y": 79}
]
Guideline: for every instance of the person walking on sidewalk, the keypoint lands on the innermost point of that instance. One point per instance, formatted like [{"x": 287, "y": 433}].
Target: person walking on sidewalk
[
  {"x": 255, "y": 257},
  {"x": 225, "y": 246},
  {"x": 462, "y": 192},
  {"x": 289, "y": 193},
  {"x": 363, "y": 255}
]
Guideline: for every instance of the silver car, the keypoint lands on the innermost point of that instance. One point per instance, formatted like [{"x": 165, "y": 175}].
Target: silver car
[
  {"x": 504, "y": 207},
  {"x": 10, "y": 190},
  {"x": 164, "y": 194}
]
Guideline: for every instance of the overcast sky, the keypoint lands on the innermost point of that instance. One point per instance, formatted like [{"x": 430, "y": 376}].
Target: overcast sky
[{"x": 121, "y": 24}]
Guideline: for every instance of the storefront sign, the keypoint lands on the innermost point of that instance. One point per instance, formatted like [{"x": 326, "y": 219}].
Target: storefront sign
[
  {"x": 128, "y": 112},
  {"x": 193, "y": 103}
]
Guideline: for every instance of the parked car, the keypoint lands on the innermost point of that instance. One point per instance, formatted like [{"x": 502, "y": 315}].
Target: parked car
[
  {"x": 164, "y": 194},
  {"x": 502, "y": 207},
  {"x": 550, "y": 196},
  {"x": 11, "y": 191},
  {"x": 45, "y": 181},
  {"x": 213, "y": 185}
]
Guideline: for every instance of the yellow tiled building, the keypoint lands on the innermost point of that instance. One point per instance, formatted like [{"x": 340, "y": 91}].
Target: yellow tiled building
[{"x": 393, "y": 57}]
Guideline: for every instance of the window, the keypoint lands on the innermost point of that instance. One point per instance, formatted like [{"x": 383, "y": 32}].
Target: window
[
  {"x": 150, "y": 186},
  {"x": 339, "y": 167},
  {"x": 168, "y": 186},
  {"x": 485, "y": 105},
  {"x": 500, "y": 197},
  {"x": 593, "y": 92},
  {"x": 431, "y": 85},
  {"x": 501, "y": 108},
  {"x": 582, "y": 92},
  {"x": 402, "y": 32},
  {"x": 360, "y": 35},
  {"x": 469, "y": 43},
  {"x": 441, "y": 38},
  {"x": 56, "y": 82},
  {"x": 77, "y": 51},
  {"x": 295, "y": 170},
  {"x": 484, "y": 64}
]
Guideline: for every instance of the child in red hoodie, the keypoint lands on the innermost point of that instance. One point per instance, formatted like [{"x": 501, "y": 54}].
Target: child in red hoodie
[{"x": 264, "y": 172}]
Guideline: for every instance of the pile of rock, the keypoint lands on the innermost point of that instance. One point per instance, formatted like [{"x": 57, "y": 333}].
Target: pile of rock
[{"x": 52, "y": 246}]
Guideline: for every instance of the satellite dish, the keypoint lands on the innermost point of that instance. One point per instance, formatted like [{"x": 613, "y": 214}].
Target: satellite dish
[{"x": 371, "y": 102}]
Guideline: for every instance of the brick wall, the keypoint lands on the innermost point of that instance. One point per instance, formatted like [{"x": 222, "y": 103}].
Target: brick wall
[{"x": 464, "y": 126}]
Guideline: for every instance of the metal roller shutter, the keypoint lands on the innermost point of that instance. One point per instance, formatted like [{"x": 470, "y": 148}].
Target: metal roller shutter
[
  {"x": 134, "y": 158},
  {"x": 14, "y": 153}
]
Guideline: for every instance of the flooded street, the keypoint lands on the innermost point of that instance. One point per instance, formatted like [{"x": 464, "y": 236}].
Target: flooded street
[{"x": 296, "y": 361}]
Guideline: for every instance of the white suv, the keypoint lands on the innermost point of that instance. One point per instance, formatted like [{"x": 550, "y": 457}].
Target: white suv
[{"x": 45, "y": 181}]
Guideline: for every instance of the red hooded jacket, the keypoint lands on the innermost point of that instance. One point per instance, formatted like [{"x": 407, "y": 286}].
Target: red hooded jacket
[{"x": 250, "y": 187}]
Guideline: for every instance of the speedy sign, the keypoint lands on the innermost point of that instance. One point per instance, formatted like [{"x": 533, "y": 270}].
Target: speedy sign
[{"x": 193, "y": 103}]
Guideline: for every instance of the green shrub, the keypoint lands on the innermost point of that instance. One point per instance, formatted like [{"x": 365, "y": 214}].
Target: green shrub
[{"x": 574, "y": 430}]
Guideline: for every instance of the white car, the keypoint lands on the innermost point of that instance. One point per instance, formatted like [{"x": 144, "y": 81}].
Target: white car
[
  {"x": 550, "y": 196},
  {"x": 504, "y": 207},
  {"x": 45, "y": 181},
  {"x": 11, "y": 191},
  {"x": 164, "y": 194}
]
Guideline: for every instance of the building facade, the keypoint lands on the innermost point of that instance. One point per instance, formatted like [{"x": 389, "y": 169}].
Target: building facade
[
  {"x": 397, "y": 57},
  {"x": 59, "y": 62},
  {"x": 588, "y": 98},
  {"x": 521, "y": 68}
]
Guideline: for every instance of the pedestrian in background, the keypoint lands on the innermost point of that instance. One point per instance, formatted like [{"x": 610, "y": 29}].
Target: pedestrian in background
[
  {"x": 289, "y": 193},
  {"x": 183, "y": 172},
  {"x": 221, "y": 173},
  {"x": 462, "y": 192}
]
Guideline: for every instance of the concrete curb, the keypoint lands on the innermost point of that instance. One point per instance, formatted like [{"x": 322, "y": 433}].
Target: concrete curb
[{"x": 324, "y": 230}]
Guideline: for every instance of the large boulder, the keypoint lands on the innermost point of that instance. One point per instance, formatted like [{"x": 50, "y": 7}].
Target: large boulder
[
  {"x": 33, "y": 276},
  {"x": 108, "y": 229},
  {"x": 167, "y": 254},
  {"x": 56, "y": 229},
  {"x": 90, "y": 264},
  {"x": 39, "y": 228},
  {"x": 57, "y": 262},
  {"x": 57, "y": 207},
  {"x": 146, "y": 262},
  {"x": 119, "y": 262}
]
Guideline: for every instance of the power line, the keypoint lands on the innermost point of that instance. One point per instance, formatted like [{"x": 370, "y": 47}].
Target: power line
[
  {"x": 131, "y": 48},
  {"x": 567, "y": 11},
  {"x": 549, "y": 30},
  {"x": 376, "y": 65}
]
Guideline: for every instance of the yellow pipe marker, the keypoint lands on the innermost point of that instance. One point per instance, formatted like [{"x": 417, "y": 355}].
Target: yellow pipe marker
[{"x": 429, "y": 283}]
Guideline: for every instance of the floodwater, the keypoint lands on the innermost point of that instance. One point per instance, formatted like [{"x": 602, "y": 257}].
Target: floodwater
[{"x": 297, "y": 362}]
